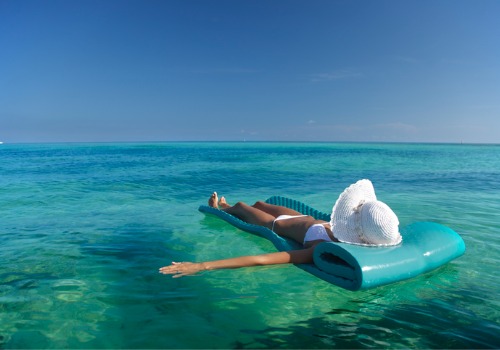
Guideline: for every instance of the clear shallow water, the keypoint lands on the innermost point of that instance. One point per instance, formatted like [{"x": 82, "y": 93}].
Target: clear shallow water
[{"x": 85, "y": 227}]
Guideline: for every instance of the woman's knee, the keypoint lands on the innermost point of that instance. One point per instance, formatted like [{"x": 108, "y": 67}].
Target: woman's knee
[
  {"x": 260, "y": 205},
  {"x": 241, "y": 205}
]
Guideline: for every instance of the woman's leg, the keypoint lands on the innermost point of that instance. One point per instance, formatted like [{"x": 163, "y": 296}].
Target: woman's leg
[
  {"x": 250, "y": 214},
  {"x": 264, "y": 214},
  {"x": 275, "y": 210},
  {"x": 243, "y": 211}
]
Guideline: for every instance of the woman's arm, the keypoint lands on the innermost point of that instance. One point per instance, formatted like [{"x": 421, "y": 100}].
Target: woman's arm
[{"x": 302, "y": 256}]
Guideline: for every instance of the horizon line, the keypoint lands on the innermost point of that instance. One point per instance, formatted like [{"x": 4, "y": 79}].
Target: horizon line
[{"x": 250, "y": 141}]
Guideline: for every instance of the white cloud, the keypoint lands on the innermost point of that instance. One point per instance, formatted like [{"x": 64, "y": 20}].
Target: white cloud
[{"x": 391, "y": 131}]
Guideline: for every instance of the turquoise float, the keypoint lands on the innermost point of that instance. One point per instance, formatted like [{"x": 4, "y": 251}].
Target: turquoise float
[{"x": 425, "y": 247}]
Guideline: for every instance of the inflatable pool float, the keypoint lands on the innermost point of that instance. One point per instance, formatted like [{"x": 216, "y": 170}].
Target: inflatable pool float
[{"x": 425, "y": 247}]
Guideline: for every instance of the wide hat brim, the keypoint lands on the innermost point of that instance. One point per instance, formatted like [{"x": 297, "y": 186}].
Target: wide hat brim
[
  {"x": 357, "y": 203},
  {"x": 341, "y": 218}
]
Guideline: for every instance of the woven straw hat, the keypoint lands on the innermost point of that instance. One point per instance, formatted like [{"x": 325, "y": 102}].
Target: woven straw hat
[{"x": 359, "y": 218}]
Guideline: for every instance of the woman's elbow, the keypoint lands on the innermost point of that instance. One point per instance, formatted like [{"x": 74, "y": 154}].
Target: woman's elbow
[{"x": 269, "y": 259}]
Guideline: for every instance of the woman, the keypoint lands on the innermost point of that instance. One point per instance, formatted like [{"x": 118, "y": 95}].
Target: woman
[{"x": 357, "y": 218}]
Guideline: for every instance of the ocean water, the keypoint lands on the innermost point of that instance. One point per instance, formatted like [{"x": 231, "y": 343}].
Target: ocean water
[{"x": 85, "y": 227}]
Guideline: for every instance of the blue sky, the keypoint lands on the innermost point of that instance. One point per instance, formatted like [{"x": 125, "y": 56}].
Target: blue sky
[{"x": 261, "y": 70}]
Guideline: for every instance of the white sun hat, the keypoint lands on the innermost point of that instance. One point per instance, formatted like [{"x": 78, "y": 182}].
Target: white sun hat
[{"x": 359, "y": 218}]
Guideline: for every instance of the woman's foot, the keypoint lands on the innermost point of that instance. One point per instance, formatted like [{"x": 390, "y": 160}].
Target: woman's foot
[
  {"x": 223, "y": 203},
  {"x": 213, "y": 200}
]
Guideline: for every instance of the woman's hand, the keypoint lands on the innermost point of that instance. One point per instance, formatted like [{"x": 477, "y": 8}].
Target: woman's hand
[{"x": 179, "y": 269}]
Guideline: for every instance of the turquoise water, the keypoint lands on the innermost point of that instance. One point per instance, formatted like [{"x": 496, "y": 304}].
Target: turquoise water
[{"x": 85, "y": 227}]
